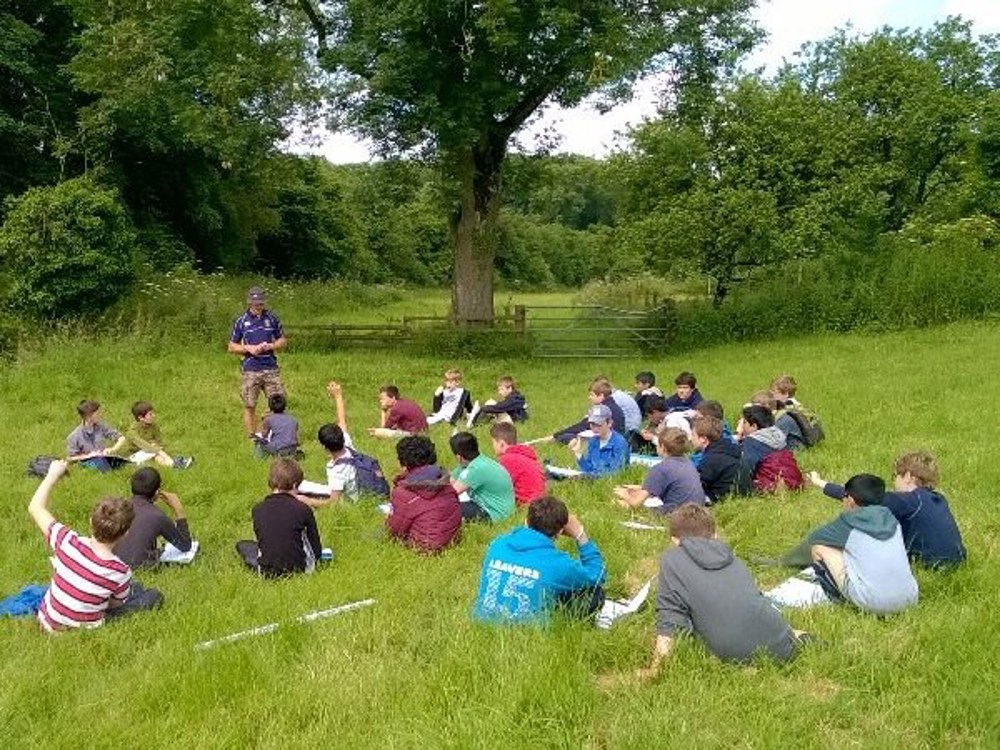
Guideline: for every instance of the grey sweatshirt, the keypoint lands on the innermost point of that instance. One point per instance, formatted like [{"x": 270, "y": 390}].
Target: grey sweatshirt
[{"x": 703, "y": 589}]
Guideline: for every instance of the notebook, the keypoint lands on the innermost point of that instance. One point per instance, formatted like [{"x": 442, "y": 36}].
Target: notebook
[{"x": 171, "y": 554}]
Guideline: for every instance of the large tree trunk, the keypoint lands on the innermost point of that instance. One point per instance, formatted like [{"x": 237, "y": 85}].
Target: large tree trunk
[{"x": 474, "y": 233}]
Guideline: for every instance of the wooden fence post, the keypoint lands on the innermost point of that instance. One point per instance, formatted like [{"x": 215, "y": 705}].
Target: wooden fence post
[{"x": 520, "y": 318}]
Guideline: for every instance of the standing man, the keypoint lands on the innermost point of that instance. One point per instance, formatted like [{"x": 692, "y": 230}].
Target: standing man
[{"x": 256, "y": 336}]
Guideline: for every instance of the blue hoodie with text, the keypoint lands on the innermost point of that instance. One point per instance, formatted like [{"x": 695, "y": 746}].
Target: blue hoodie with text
[{"x": 524, "y": 573}]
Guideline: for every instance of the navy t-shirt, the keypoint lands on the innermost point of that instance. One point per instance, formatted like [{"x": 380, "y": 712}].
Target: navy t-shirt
[{"x": 257, "y": 329}]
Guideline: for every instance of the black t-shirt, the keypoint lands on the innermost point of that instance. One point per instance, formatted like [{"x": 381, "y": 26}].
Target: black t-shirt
[{"x": 284, "y": 526}]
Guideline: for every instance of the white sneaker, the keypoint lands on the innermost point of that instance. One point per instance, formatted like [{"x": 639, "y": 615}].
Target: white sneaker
[{"x": 476, "y": 408}]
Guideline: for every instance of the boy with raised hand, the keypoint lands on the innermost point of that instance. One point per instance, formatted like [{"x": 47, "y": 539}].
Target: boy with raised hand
[
  {"x": 400, "y": 416},
  {"x": 673, "y": 481},
  {"x": 144, "y": 435},
  {"x": 485, "y": 482},
  {"x": 525, "y": 576},
  {"x": 89, "y": 582},
  {"x": 859, "y": 557},
  {"x": 88, "y": 443},
  {"x": 287, "y": 537},
  {"x": 138, "y": 548},
  {"x": 930, "y": 533},
  {"x": 341, "y": 476},
  {"x": 520, "y": 461},
  {"x": 706, "y": 591},
  {"x": 425, "y": 513},
  {"x": 607, "y": 451}
]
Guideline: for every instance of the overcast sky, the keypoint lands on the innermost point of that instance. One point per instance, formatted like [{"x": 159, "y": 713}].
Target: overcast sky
[{"x": 788, "y": 23}]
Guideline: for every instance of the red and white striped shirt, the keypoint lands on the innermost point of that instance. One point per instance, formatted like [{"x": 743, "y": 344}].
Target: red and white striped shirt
[{"x": 82, "y": 582}]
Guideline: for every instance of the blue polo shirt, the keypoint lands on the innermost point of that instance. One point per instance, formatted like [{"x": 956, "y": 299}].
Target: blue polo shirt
[{"x": 257, "y": 329}]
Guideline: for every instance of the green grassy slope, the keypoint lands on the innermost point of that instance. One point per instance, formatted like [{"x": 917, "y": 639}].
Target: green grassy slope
[{"x": 414, "y": 671}]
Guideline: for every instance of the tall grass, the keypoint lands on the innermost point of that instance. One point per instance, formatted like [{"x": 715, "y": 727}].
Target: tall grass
[{"x": 414, "y": 671}]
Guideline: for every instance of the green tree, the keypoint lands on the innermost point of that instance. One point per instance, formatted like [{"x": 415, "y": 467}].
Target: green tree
[
  {"x": 67, "y": 250},
  {"x": 38, "y": 102},
  {"x": 189, "y": 101},
  {"x": 457, "y": 78}
]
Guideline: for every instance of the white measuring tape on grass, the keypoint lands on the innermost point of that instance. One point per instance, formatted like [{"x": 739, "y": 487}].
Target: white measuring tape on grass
[{"x": 272, "y": 626}]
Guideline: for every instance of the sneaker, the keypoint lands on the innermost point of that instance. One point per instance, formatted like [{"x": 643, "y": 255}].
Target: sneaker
[{"x": 183, "y": 462}]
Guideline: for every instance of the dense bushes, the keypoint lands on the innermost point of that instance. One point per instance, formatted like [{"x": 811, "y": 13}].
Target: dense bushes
[
  {"x": 918, "y": 277},
  {"x": 67, "y": 250}
]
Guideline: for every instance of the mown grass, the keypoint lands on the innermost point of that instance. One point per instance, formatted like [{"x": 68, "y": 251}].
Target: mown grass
[{"x": 414, "y": 671}]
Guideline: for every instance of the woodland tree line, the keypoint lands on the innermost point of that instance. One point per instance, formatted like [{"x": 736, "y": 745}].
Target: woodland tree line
[{"x": 140, "y": 135}]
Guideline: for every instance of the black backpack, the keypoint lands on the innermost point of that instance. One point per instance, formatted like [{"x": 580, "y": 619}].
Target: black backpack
[
  {"x": 368, "y": 472},
  {"x": 39, "y": 465},
  {"x": 809, "y": 425}
]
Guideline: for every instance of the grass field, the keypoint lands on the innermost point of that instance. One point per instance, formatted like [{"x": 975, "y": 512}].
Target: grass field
[{"x": 413, "y": 671}]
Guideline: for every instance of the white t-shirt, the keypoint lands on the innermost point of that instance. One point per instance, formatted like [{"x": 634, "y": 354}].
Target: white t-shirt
[{"x": 343, "y": 477}]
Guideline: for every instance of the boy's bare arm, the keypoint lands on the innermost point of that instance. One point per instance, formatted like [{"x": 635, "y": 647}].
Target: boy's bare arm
[
  {"x": 336, "y": 391},
  {"x": 38, "y": 507}
]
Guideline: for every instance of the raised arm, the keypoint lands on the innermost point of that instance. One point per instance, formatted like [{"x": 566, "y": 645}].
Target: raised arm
[
  {"x": 38, "y": 507},
  {"x": 336, "y": 392}
]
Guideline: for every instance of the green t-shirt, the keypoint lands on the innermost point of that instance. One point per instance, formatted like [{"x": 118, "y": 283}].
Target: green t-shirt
[{"x": 489, "y": 486}]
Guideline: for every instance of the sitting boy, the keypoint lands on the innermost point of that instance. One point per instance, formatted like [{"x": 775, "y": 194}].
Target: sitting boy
[
  {"x": 279, "y": 434},
  {"x": 89, "y": 583},
  {"x": 88, "y": 443},
  {"x": 765, "y": 463},
  {"x": 424, "y": 508},
  {"x": 644, "y": 441},
  {"x": 631, "y": 412},
  {"x": 342, "y": 460},
  {"x": 706, "y": 591},
  {"x": 810, "y": 429},
  {"x": 520, "y": 461},
  {"x": 686, "y": 395},
  {"x": 599, "y": 394},
  {"x": 645, "y": 390},
  {"x": 510, "y": 408},
  {"x": 138, "y": 548},
  {"x": 525, "y": 575},
  {"x": 860, "y": 557},
  {"x": 672, "y": 482},
  {"x": 287, "y": 537},
  {"x": 930, "y": 533},
  {"x": 451, "y": 401},
  {"x": 784, "y": 421},
  {"x": 719, "y": 466},
  {"x": 143, "y": 436},
  {"x": 485, "y": 482},
  {"x": 606, "y": 452},
  {"x": 400, "y": 416}
]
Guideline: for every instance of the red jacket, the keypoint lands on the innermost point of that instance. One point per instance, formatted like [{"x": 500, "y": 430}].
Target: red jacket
[
  {"x": 521, "y": 462},
  {"x": 425, "y": 509}
]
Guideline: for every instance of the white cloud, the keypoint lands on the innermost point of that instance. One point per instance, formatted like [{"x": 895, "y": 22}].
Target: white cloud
[{"x": 789, "y": 24}]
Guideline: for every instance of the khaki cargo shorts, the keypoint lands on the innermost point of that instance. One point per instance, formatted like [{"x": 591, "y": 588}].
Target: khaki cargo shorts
[{"x": 253, "y": 382}]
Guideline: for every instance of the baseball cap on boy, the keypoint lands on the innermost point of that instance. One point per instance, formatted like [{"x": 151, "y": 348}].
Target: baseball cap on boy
[
  {"x": 598, "y": 414},
  {"x": 256, "y": 294}
]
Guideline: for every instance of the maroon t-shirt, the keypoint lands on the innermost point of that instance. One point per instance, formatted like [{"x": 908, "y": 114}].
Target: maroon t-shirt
[{"x": 406, "y": 415}]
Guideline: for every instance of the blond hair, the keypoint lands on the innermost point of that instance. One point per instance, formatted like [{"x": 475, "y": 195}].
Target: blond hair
[
  {"x": 920, "y": 465},
  {"x": 673, "y": 441}
]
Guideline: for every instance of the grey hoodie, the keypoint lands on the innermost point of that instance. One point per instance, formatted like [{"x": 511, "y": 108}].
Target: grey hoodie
[
  {"x": 704, "y": 589},
  {"x": 879, "y": 579}
]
